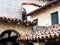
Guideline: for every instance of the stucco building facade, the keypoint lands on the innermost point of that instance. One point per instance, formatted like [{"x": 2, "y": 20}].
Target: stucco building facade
[{"x": 15, "y": 30}]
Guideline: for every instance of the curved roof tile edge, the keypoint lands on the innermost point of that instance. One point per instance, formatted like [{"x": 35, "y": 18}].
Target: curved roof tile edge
[{"x": 18, "y": 21}]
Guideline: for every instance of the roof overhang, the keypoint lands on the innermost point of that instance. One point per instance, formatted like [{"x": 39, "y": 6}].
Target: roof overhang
[
  {"x": 44, "y": 32},
  {"x": 50, "y": 4},
  {"x": 31, "y": 3},
  {"x": 18, "y": 21}
]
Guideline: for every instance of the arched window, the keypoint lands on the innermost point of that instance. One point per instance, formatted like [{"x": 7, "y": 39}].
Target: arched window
[
  {"x": 9, "y": 37},
  {"x": 24, "y": 16}
]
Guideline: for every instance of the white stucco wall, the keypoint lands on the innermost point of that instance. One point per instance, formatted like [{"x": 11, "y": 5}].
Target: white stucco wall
[
  {"x": 12, "y": 8},
  {"x": 44, "y": 17},
  {"x": 21, "y": 29}
]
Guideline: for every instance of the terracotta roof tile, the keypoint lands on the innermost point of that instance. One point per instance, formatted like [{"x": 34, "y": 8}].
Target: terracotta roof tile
[
  {"x": 17, "y": 21},
  {"x": 30, "y": 3},
  {"x": 44, "y": 7},
  {"x": 50, "y": 32}
]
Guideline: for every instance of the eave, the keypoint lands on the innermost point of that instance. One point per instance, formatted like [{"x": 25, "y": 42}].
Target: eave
[
  {"x": 18, "y": 21},
  {"x": 50, "y": 4},
  {"x": 49, "y": 32}
]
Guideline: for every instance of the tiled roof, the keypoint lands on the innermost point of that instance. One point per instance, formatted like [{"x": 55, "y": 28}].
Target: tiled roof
[
  {"x": 30, "y": 3},
  {"x": 44, "y": 7},
  {"x": 43, "y": 33},
  {"x": 18, "y": 21}
]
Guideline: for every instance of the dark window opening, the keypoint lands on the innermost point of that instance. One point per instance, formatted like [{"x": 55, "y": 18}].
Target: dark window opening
[
  {"x": 36, "y": 21},
  {"x": 24, "y": 16},
  {"x": 54, "y": 18},
  {"x": 34, "y": 28}
]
